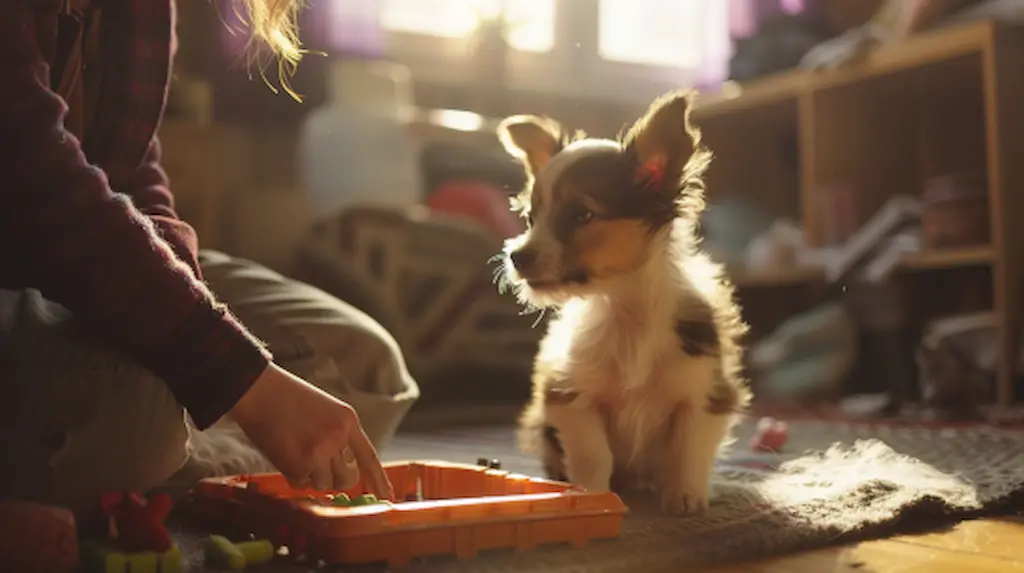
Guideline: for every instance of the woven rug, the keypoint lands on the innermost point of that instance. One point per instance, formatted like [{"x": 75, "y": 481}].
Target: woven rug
[{"x": 835, "y": 482}]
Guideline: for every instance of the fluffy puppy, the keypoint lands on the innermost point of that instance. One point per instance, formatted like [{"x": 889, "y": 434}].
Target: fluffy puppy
[{"x": 637, "y": 382}]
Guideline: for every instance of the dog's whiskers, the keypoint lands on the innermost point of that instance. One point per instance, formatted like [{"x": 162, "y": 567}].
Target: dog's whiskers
[
  {"x": 540, "y": 317},
  {"x": 500, "y": 274}
]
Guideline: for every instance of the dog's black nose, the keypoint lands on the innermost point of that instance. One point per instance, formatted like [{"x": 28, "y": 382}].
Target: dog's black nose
[{"x": 523, "y": 258}]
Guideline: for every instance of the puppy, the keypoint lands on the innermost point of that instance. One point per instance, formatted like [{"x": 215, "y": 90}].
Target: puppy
[{"x": 637, "y": 382}]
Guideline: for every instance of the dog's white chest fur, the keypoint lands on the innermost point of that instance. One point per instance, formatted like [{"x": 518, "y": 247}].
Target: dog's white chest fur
[{"x": 627, "y": 362}]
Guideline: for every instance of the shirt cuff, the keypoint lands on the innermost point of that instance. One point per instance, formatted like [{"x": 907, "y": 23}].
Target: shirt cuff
[{"x": 210, "y": 363}]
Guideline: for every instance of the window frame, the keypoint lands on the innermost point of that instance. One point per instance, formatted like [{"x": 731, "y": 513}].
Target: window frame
[{"x": 574, "y": 55}]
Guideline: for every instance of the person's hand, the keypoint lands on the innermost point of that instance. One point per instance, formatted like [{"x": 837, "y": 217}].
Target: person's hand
[{"x": 311, "y": 437}]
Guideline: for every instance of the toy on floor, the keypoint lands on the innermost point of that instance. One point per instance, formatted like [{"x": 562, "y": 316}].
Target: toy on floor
[
  {"x": 464, "y": 509},
  {"x": 222, "y": 553},
  {"x": 771, "y": 435},
  {"x": 138, "y": 541},
  {"x": 137, "y": 525},
  {"x": 494, "y": 464},
  {"x": 99, "y": 557}
]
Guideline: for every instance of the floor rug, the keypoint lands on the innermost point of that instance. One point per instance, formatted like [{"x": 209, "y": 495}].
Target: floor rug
[{"x": 835, "y": 482}]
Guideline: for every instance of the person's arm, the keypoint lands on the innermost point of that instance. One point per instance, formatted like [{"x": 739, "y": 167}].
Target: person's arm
[
  {"x": 63, "y": 231},
  {"x": 151, "y": 194}
]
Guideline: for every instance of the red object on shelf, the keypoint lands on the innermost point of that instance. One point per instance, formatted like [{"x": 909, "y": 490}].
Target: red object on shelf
[
  {"x": 137, "y": 525},
  {"x": 467, "y": 509},
  {"x": 771, "y": 435},
  {"x": 482, "y": 202}
]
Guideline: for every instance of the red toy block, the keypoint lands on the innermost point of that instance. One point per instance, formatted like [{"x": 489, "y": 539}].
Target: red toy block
[{"x": 137, "y": 524}]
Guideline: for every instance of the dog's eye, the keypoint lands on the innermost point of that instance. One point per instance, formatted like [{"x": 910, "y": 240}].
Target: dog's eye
[{"x": 584, "y": 216}]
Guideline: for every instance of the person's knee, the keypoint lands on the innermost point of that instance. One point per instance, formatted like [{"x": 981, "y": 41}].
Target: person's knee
[
  {"x": 324, "y": 340},
  {"x": 135, "y": 441},
  {"x": 367, "y": 354},
  {"x": 88, "y": 420},
  {"x": 357, "y": 360}
]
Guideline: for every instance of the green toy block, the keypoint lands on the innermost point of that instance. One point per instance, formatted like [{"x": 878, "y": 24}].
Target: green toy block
[
  {"x": 220, "y": 552},
  {"x": 97, "y": 558},
  {"x": 170, "y": 562},
  {"x": 100, "y": 558},
  {"x": 256, "y": 552},
  {"x": 143, "y": 563}
]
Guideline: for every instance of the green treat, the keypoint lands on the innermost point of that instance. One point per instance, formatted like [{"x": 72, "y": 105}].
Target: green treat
[
  {"x": 365, "y": 499},
  {"x": 342, "y": 500},
  {"x": 256, "y": 552},
  {"x": 220, "y": 552}
]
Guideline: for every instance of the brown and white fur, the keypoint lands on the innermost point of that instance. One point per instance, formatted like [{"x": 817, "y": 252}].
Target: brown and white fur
[{"x": 637, "y": 382}]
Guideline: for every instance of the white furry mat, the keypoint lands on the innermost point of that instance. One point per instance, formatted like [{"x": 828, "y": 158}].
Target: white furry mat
[{"x": 836, "y": 482}]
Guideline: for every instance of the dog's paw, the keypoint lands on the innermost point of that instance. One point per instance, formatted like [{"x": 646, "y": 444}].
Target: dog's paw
[{"x": 683, "y": 502}]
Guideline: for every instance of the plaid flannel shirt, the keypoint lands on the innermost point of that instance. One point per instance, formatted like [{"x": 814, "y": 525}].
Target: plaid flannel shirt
[{"x": 92, "y": 225}]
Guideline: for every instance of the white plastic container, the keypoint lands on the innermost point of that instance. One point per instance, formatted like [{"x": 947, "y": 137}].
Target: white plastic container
[{"x": 356, "y": 149}]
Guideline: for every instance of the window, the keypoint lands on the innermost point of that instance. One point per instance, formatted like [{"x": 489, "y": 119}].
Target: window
[
  {"x": 668, "y": 33},
  {"x": 531, "y": 22}
]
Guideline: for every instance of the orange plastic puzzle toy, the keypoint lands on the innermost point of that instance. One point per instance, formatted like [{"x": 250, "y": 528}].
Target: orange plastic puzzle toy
[{"x": 465, "y": 509}]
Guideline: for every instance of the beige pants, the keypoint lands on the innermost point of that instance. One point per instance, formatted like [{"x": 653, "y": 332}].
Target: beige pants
[{"x": 78, "y": 420}]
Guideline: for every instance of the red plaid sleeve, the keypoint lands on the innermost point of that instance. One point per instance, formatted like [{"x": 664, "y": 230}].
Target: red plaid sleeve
[
  {"x": 151, "y": 194},
  {"x": 63, "y": 231}
]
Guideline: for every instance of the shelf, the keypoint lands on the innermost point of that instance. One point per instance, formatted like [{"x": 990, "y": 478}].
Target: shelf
[
  {"x": 924, "y": 260},
  {"x": 949, "y": 258},
  {"x": 733, "y": 97},
  {"x": 915, "y": 52}
]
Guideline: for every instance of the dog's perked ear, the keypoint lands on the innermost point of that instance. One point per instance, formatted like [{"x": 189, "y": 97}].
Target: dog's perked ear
[
  {"x": 533, "y": 139},
  {"x": 666, "y": 146}
]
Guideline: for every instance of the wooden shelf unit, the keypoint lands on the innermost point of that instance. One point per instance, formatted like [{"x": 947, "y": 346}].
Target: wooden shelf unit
[{"x": 942, "y": 102}]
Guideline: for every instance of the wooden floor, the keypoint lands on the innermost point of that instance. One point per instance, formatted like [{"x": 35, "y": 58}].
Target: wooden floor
[{"x": 992, "y": 545}]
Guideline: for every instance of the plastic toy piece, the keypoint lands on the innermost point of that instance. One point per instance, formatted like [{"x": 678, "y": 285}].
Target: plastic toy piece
[
  {"x": 256, "y": 552},
  {"x": 220, "y": 552},
  {"x": 468, "y": 509},
  {"x": 136, "y": 524},
  {"x": 102, "y": 558},
  {"x": 771, "y": 435}
]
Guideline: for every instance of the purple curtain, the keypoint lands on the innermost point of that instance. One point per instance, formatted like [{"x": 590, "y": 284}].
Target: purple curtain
[{"x": 343, "y": 27}]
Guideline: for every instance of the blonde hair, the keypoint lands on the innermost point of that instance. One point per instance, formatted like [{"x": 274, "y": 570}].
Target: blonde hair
[{"x": 273, "y": 28}]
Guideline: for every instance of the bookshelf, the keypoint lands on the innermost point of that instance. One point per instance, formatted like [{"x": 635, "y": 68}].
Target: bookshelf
[{"x": 944, "y": 101}]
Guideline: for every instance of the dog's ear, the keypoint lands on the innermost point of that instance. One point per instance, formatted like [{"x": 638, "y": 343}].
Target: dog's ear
[
  {"x": 530, "y": 138},
  {"x": 663, "y": 142}
]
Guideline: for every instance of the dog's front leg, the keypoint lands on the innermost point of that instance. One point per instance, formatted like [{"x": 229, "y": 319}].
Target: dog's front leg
[
  {"x": 584, "y": 439},
  {"x": 698, "y": 433}
]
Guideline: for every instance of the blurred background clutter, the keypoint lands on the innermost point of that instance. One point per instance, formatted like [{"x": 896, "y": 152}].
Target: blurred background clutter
[{"x": 861, "y": 198}]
